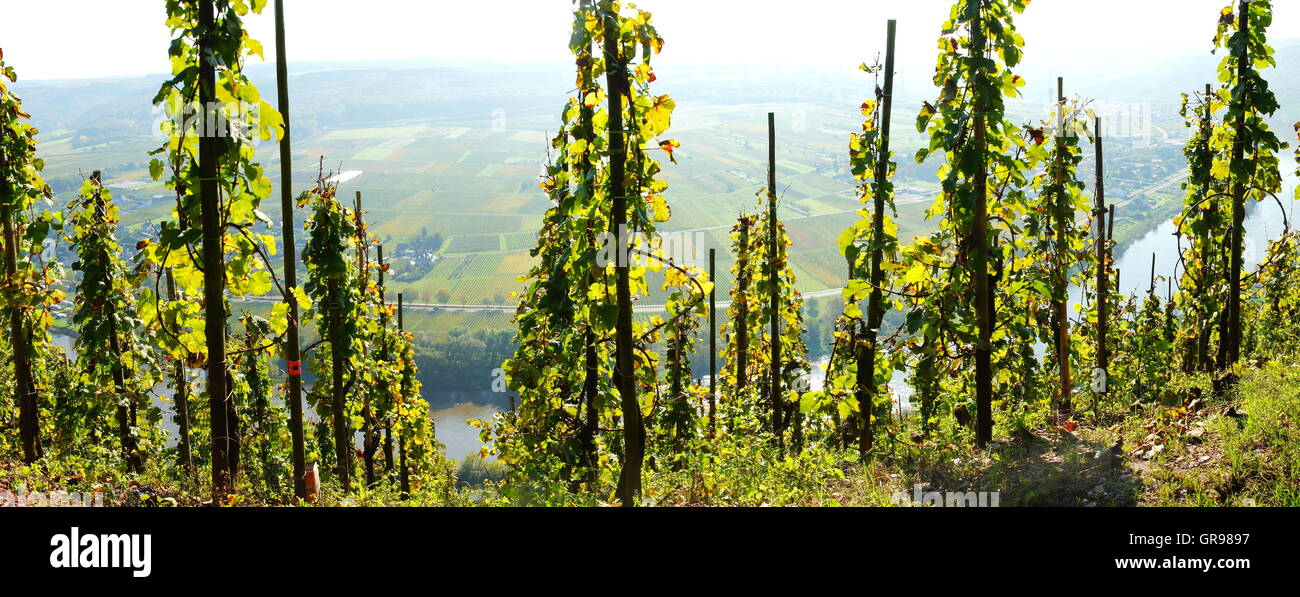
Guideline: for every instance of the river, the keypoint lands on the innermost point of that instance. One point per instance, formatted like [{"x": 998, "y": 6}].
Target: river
[{"x": 1264, "y": 223}]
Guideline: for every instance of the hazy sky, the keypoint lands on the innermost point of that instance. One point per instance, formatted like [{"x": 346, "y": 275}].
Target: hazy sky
[{"x": 88, "y": 38}]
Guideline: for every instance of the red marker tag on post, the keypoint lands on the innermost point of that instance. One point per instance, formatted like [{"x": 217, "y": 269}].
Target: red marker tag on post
[{"x": 295, "y": 367}]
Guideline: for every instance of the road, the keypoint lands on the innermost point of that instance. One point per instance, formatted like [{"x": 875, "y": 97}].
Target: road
[{"x": 1153, "y": 189}]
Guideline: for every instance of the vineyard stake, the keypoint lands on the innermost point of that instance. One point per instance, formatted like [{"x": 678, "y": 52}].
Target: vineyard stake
[
  {"x": 772, "y": 273},
  {"x": 385, "y": 354},
  {"x": 1062, "y": 276},
  {"x": 979, "y": 240},
  {"x": 404, "y": 474},
  {"x": 1152, "y": 290},
  {"x": 616, "y": 80},
  {"x": 742, "y": 301},
  {"x": 126, "y": 411},
  {"x": 713, "y": 342},
  {"x": 369, "y": 443},
  {"x": 182, "y": 396},
  {"x": 1102, "y": 266},
  {"x": 214, "y": 295},
  {"x": 1110, "y": 231},
  {"x": 866, "y": 351},
  {"x": 293, "y": 354},
  {"x": 1232, "y": 335}
]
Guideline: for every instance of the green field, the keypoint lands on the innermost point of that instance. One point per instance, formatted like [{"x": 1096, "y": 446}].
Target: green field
[{"x": 474, "y": 184}]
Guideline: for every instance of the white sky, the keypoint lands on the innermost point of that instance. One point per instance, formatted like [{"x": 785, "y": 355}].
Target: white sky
[{"x": 48, "y": 39}]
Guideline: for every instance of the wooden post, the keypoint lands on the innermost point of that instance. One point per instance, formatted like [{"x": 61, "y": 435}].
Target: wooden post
[
  {"x": 360, "y": 224},
  {"x": 741, "y": 326},
  {"x": 1232, "y": 335},
  {"x": 1204, "y": 361},
  {"x": 774, "y": 273},
  {"x": 1110, "y": 231},
  {"x": 404, "y": 473},
  {"x": 343, "y": 444},
  {"x": 616, "y": 82},
  {"x": 867, "y": 349},
  {"x": 1152, "y": 290},
  {"x": 713, "y": 343},
  {"x": 1061, "y": 216},
  {"x": 370, "y": 443},
  {"x": 386, "y": 355},
  {"x": 182, "y": 397},
  {"x": 979, "y": 242},
  {"x": 214, "y": 284},
  {"x": 1060, "y": 106},
  {"x": 1103, "y": 254},
  {"x": 292, "y": 348},
  {"x": 1110, "y": 245},
  {"x": 1064, "y": 214}
]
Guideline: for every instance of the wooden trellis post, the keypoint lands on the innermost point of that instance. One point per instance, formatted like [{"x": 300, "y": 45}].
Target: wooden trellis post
[{"x": 292, "y": 349}]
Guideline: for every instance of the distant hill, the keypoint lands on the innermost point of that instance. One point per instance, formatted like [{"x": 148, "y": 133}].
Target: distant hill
[{"x": 1164, "y": 82}]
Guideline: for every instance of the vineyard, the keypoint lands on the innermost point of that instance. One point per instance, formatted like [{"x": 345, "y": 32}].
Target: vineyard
[{"x": 937, "y": 303}]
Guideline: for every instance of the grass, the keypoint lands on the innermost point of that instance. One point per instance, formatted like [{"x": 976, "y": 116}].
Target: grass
[{"x": 1242, "y": 450}]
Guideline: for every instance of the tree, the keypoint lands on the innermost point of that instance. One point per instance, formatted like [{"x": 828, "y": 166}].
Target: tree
[
  {"x": 336, "y": 294},
  {"x": 748, "y": 379},
  {"x": 1203, "y": 288},
  {"x": 27, "y": 293},
  {"x": 292, "y": 348},
  {"x": 562, "y": 334},
  {"x": 968, "y": 126},
  {"x": 1251, "y": 167},
  {"x": 1054, "y": 238},
  {"x": 213, "y": 247},
  {"x": 579, "y": 298},
  {"x": 618, "y": 53},
  {"x": 261, "y": 420},
  {"x": 109, "y": 351},
  {"x": 867, "y": 244}
]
